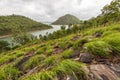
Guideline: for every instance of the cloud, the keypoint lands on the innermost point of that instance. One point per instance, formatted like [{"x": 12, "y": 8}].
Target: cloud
[{"x": 50, "y": 10}]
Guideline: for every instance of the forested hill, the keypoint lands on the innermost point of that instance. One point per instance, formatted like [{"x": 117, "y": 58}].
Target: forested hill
[
  {"x": 8, "y": 23},
  {"x": 66, "y": 20}
]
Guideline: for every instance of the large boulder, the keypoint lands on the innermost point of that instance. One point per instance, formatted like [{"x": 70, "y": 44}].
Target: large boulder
[{"x": 86, "y": 57}]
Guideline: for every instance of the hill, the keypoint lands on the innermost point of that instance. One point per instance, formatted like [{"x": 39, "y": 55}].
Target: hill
[
  {"x": 7, "y": 23},
  {"x": 66, "y": 20},
  {"x": 78, "y": 55}
]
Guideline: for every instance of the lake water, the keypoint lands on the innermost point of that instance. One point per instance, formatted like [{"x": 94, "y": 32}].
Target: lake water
[{"x": 42, "y": 32}]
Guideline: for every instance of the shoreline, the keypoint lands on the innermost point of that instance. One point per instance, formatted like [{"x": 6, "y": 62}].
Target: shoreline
[{"x": 5, "y": 36}]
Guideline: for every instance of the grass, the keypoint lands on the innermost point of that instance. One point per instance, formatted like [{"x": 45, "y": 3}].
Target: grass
[
  {"x": 8, "y": 72},
  {"x": 79, "y": 43},
  {"x": 99, "y": 48},
  {"x": 40, "y": 51},
  {"x": 65, "y": 44},
  {"x": 114, "y": 41},
  {"x": 33, "y": 62},
  {"x": 66, "y": 53},
  {"x": 51, "y": 66},
  {"x": 64, "y": 68}
]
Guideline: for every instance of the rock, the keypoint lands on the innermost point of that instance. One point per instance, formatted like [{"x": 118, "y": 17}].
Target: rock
[
  {"x": 103, "y": 72},
  {"x": 86, "y": 57},
  {"x": 70, "y": 77},
  {"x": 97, "y": 34}
]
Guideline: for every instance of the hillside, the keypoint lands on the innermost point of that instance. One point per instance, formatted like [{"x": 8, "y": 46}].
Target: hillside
[
  {"x": 92, "y": 54},
  {"x": 7, "y": 23},
  {"x": 66, "y": 20}
]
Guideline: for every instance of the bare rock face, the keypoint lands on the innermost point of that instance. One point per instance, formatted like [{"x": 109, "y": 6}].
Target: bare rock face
[
  {"x": 86, "y": 57},
  {"x": 103, "y": 72}
]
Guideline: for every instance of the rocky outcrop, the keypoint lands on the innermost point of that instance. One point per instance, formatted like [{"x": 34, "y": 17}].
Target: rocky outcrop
[{"x": 103, "y": 72}]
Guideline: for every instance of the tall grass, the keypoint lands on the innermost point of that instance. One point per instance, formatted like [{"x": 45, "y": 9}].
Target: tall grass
[{"x": 99, "y": 48}]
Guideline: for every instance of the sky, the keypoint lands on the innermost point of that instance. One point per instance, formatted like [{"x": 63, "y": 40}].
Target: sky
[{"x": 50, "y": 10}]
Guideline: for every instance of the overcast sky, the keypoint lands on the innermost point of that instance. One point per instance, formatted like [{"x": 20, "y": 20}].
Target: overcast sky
[{"x": 50, "y": 10}]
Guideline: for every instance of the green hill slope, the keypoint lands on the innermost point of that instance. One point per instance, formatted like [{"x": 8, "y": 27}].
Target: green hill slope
[
  {"x": 7, "y": 23},
  {"x": 60, "y": 58},
  {"x": 66, "y": 20}
]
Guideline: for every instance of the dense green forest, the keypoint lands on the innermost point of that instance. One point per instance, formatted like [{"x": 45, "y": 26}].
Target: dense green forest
[
  {"x": 11, "y": 22},
  {"x": 86, "y": 51}
]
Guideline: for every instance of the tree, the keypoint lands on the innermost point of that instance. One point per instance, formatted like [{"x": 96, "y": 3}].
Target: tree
[{"x": 112, "y": 12}]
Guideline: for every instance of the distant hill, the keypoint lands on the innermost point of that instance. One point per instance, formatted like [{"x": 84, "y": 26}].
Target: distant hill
[
  {"x": 66, "y": 19},
  {"x": 7, "y": 23}
]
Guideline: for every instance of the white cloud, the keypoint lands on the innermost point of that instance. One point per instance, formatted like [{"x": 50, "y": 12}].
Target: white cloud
[{"x": 50, "y": 10}]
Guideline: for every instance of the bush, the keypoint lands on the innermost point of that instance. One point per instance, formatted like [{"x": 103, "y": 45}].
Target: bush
[{"x": 99, "y": 48}]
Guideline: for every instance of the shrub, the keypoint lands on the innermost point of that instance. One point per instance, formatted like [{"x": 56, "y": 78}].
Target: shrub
[{"x": 99, "y": 48}]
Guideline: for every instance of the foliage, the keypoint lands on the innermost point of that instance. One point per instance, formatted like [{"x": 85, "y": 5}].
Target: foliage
[{"x": 8, "y": 23}]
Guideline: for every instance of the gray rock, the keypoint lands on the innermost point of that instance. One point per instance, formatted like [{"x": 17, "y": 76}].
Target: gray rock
[{"x": 86, "y": 57}]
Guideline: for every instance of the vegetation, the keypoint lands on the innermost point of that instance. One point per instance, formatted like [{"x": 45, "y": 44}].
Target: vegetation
[
  {"x": 99, "y": 48},
  {"x": 67, "y": 20},
  {"x": 11, "y": 22},
  {"x": 49, "y": 58}
]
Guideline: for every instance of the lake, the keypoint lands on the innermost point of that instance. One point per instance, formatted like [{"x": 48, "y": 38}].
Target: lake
[{"x": 42, "y": 32}]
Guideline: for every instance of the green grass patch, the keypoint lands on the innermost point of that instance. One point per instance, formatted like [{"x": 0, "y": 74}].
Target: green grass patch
[{"x": 99, "y": 48}]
